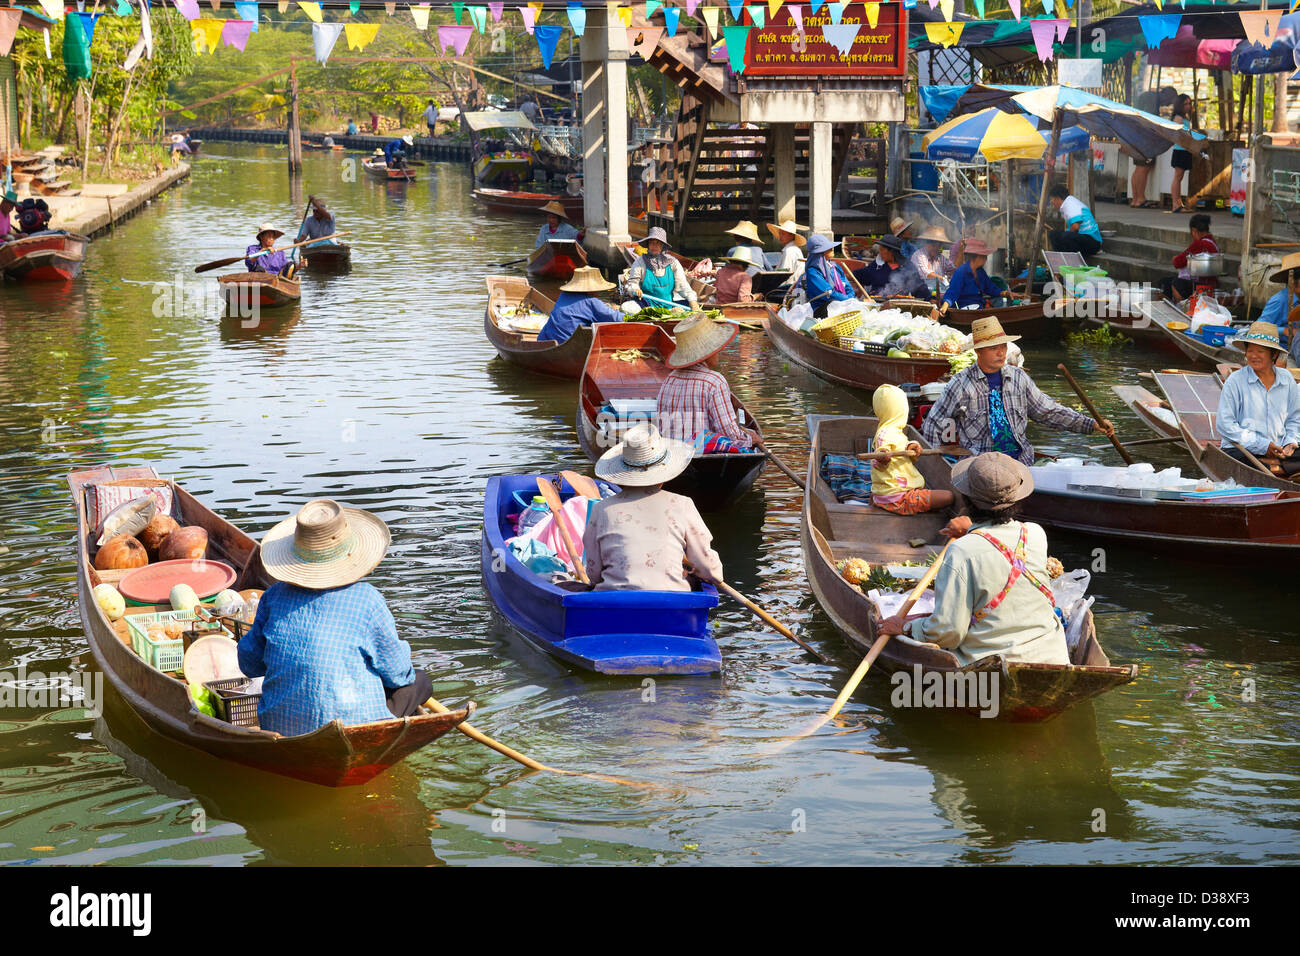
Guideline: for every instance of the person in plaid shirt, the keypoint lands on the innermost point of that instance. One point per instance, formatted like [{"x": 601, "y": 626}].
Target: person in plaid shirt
[
  {"x": 695, "y": 401},
  {"x": 988, "y": 406}
]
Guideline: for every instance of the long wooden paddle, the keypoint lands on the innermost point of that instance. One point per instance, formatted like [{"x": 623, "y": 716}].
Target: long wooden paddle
[
  {"x": 885, "y": 455},
  {"x": 1096, "y": 415},
  {"x": 217, "y": 264},
  {"x": 557, "y": 509},
  {"x": 784, "y": 468},
  {"x": 872, "y": 654},
  {"x": 1251, "y": 458}
]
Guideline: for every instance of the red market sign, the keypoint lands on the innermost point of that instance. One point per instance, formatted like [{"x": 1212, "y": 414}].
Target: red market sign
[{"x": 781, "y": 49}]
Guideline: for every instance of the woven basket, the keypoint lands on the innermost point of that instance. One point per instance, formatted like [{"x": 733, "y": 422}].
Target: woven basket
[
  {"x": 831, "y": 330},
  {"x": 868, "y": 348}
]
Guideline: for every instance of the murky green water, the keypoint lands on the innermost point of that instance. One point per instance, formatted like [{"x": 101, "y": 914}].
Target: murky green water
[{"x": 382, "y": 392}]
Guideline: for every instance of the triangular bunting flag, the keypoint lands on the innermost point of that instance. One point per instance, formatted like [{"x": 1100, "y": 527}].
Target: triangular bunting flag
[
  {"x": 1015, "y": 9},
  {"x": 873, "y": 14},
  {"x": 390, "y": 8},
  {"x": 757, "y": 15},
  {"x": 796, "y": 15},
  {"x": 76, "y": 51},
  {"x": 354, "y": 7},
  {"x": 578, "y": 19},
  {"x": 736, "y": 37},
  {"x": 528, "y": 13},
  {"x": 479, "y": 16},
  {"x": 455, "y": 37},
  {"x": 8, "y": 29},
  {"x": 360, "y": 35},
  {"x": 690, "y": 7},
  {"x": 189, "y": 8},
  {"x": 420, "y": 14},
  {"x": 1049, "y": 6},
  {"x": 548, "y": 35},
  {"x": 671, "y": 16},
  {"x": 979, "y": 8},
  {"x": 816, "y": 5},
  {"x": 323, "y": 38},
  {"x": 836, "y": 11},
  {"x": 651, "y": 6},
  {"x": 53, "y": 9},
  {"x": 772, "y": 7},
  {"x": 282, "y": 5},
  {"x": 944, "y": 34},
  {"x": 235, "y": 33},
  {"x": 206, "y": 34},
  {"x": 642, "y": 42},
  {"x": 710, "y": 15},
  {"x": 458, "y": 9},
  {"x": 1062, "y": 28},
  {"x": 88, "y": 25},
  {"x": 625, "y": 16},
  {"x": 247, "y": 10},
  {"x": 736, "y": 7},
  {"x": 945, "y": 8},
  {"x": 497, "y": 10},
  {"x": 1157, "y": 28},
  {"x": 312, "y": 9},
  {"x": 1260, "y": 25},
  {"x": 841, "y": 35},
  {"x": 1044, "y": 32}
]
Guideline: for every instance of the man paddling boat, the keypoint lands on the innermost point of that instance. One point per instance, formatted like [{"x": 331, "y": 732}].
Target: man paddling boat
[
  {"x": 259, "y": 258},
  {"x": 988, "y": 406},
  {"x": 323, "y": 639},
  {"x": 694, "y": 403},
  {"x": 578, "y": 305},
  {"x": 318, "y": 225},
  {"x": 1259, "y": 409},
  {"x": 395, "y": 152}
]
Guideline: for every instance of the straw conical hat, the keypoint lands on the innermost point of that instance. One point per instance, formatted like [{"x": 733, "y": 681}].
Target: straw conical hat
[
  {"x": 746, "y": 230},
  {"x": 644, "y": 457},
  {"x": 324, "y": 546},
  {"x": 587, "y": 279},
  {"x": 933, "y": 234},
  {"x": 986, "y": 333},
  {"x": 555, "y": 209},
  {"x": 697, "y": 338},
  {"x": 899, "y": 225},
  {"x": 791, "y": 227}
]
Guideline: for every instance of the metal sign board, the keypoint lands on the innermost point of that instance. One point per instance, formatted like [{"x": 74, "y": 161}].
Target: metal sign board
[{"x": 781, "y": 49}]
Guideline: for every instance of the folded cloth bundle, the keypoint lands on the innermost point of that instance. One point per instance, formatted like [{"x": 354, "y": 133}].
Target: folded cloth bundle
[{"x": 849, "y": 478}]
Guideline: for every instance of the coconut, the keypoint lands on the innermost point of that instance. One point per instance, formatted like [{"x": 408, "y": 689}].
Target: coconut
[
  {"x": 121, "y": 554},
  {"x": 156, "y": 532},
  {"x": 188, "y": 542}
]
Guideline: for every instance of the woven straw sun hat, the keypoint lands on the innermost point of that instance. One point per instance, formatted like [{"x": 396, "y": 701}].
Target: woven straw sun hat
[
  {"x": 790, "y": 226},
  {"x": 1288, "y": 264},
  {"x": 993, "y": 480},
  {"x": 742, "y": 255},
  {"x": 408, "y": 140},
  {"x": 324, "y": 546},
  {"x": 933, "y": 234},
  {"x": 899, "y": 225},
  {"x": 555, "y": 209},
  {"x": 746, "y": 230},
  {"x": 644, "y": 457},
  {"x": 1260, "y": 333},
  {"x": 986, "y": 333},
  {"x": 587, "y": 279},
  {"x": 267, "y": 227},
  {"x": 697, "y": 338}
]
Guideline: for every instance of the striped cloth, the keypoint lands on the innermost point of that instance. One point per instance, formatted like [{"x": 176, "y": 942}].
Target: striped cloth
[
  {"x": 695, "y": 400},
  {"x": 849, "y": 478}
]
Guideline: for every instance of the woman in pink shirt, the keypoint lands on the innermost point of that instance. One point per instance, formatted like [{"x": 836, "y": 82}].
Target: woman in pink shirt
[
  {"x": 7, "y": 205},
  {"x": 733, "y": 282}
]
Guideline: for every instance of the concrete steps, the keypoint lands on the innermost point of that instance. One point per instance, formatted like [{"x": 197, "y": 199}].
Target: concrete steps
[{"x": 1143, "y": 253}]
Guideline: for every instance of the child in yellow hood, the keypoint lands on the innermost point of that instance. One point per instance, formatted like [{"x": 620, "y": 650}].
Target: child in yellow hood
[{"x": 896, "y": 485}]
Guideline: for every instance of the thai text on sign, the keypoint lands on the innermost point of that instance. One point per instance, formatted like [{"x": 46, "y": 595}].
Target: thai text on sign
[{"x": 781, "y": 49}]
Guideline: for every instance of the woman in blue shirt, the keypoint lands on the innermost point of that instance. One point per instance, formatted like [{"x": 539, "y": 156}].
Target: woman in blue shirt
[
  {"x": 823, "y": 281},
  {"x": 578, "y": 305},
  {"x": 970, "y": 284},
  {"x": 1259, "y": 407}
]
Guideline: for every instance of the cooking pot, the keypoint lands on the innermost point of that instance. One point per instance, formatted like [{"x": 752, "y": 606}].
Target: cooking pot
[
  {"x": 1135, "y": 295},
  {"x": 1205, "y": 264}
]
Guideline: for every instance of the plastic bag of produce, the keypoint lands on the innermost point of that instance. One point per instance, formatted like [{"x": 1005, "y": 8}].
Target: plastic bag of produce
[{"x": 796, "y": 315}]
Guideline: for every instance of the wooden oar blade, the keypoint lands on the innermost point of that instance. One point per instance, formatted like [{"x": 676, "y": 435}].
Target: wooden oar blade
[{"x": 209, "y": 266}]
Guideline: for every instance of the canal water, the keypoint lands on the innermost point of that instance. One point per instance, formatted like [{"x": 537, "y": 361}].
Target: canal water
[{"x": 381, "y": 391}]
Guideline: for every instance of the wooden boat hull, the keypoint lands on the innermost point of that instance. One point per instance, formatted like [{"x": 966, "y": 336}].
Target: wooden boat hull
[
  {"x": 1140, "y": 402},
  {"x": 1219, "y": 465},
  {"x": 328, "y": 257},
  {"x": 378, "y": 170},
  {"x": 45, "y": 257},
  {"x": 495, "y": 167},
  {"x": 556, "y": 259},
  {"x": 504, "y": 200},
  {"x": 854, "y": 369},
  {"x": 334, "y": 755},
  {"x": 1029, "y": 320},
  {"x": 1026, "y": 691},
  {"x": 242, "y": 289},
  {"x": 713, "y": 482},
  {"x": 609, "y": 632},
  {"x": 1196, "y": 350},
  {"x": 564, "y": 360}
]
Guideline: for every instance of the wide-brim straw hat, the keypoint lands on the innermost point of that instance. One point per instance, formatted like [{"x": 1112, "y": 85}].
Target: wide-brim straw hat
[
  {"x": 657, "y": 232},
  {"x": 1289, "y": 263},
  {"x": 644, "y": 457},
  {"x": 746, "y": 230},
  {"x": 697, "y": 338},
  {"x": 933, "y": 234},
  {"x": 587, "y": 279},
  {"x": 1260, "y": 333},
  {"x": 898, "y": 224},
  {"x": 267, "y": 227},
  {"x": 987, "y": 332},
  {"x": 324, "y": 546},
  {"x": 408, "y": 140},
  {"x": 790, "y": 226},
  {"x": 555, "y": 209},
  {"x": 993, "y": 481},
  {"x": 742, "y": 255}
]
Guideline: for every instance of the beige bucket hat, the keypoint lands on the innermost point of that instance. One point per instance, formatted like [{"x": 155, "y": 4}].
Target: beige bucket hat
[
  {"x": 791, "y": 227},
  {"x": 587, "y": 279},
  {"x": 644, "y": 457},
  {"x": 657, "y": 232},
  {"x": 555, "y": 209},
  {"x": 1260, "y": 333},
  {"x": 267, "y": 227},
  {"x": 986, "y": 333},
  {"x": 993, "y": 480},
  {"x": 746, "y": 230},
  {"x": 697, "y": 338},
  {"x": 324, "y": 546}
]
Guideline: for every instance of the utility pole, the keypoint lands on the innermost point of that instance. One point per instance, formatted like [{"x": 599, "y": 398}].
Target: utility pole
[{"x": 295, "y": 129}]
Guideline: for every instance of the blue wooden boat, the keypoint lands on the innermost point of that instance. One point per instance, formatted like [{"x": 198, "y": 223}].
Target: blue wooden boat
[{"x": 610, "y": 632}]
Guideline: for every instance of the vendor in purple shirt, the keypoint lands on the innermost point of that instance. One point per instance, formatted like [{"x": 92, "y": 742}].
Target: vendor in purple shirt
[{"x": 259, "y": 260}]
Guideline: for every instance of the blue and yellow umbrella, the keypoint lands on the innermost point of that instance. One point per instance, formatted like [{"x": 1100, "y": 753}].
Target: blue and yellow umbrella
[{"x": 997, "y": 136}]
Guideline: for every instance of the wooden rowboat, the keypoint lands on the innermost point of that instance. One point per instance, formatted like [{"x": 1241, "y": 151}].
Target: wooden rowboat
[
  {"x": 334, "y": 755},
  {"x": 713, "y": 481},
  {"x": 557, "y": 259},
  {"x": 506, "y": 166},
  {"x": 1029, "y": 319},
  {"x": 44, "y": 257},
  {"x": 377, "y": 168},
  {"x": 855, "y": 369},
  {"x": 832, "y": 532},
  {"x": 1219, "y": 465},
  {"x": 1162, "y": 313},
  {"x": 268, "y": 290},
  {"x": 328, "y": 257},
  {"x": 1143, "y": 403},
  {"x": 565, "y": 359},
  {"x": 504, "y": 200},
  {"x": 610, "y": 631}
]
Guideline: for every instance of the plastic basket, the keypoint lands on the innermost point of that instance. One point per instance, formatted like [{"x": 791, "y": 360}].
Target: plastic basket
[
  {"x": 233, "y": 702},
  {"x": 867, "y": 348},
  {"x": 831, "y": 331},
  {"x": 165, "y": 655},
  {"x": 1215, "y": 334}
]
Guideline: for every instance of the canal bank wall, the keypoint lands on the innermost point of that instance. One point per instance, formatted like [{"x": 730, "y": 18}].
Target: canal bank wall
[
  {"x": 427, "y": 147},
  {"x": 92, "y": 216}
]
